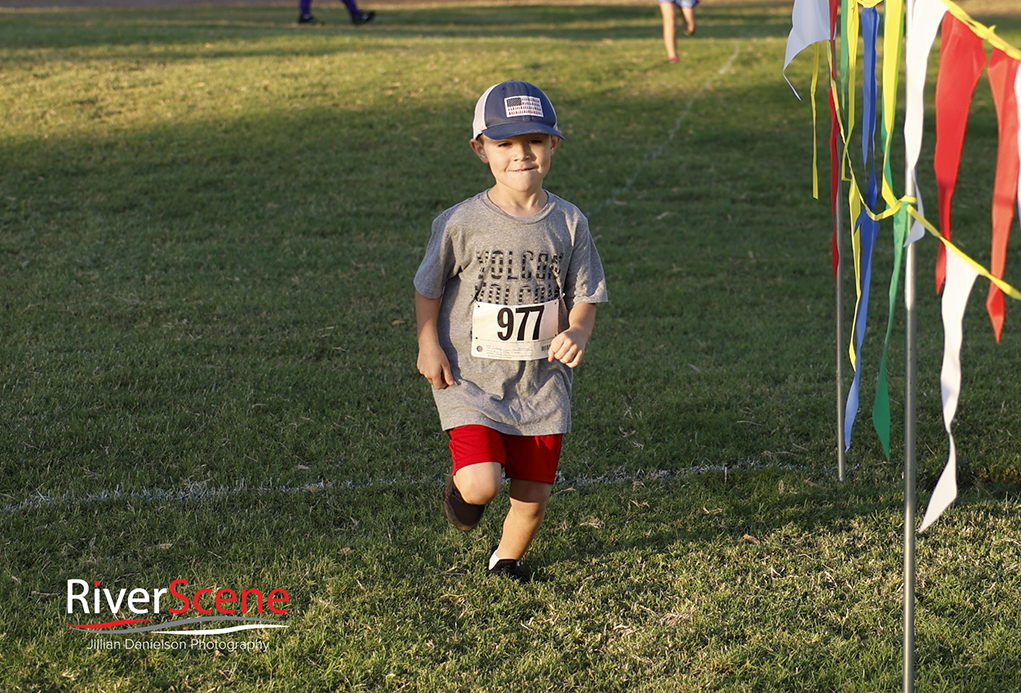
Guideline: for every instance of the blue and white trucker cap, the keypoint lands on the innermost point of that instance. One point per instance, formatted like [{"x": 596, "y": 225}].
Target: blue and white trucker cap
[{"x": 514, "y": 108}]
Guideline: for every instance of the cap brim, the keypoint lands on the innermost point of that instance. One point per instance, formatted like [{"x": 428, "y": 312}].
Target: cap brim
[{"x": 502, "y": 132}]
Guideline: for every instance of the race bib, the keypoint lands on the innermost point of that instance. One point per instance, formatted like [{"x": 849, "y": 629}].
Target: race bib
[{"x": 514, "y": 333}]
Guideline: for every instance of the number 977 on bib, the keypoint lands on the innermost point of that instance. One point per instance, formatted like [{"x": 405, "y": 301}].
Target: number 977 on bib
[{"x": 514, "y": 333}]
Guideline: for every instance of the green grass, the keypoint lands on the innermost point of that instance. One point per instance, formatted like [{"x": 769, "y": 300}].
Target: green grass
[{"x": 209, "y": 222}]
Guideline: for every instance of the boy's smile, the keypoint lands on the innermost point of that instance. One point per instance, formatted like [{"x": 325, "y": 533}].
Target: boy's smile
[{"x": 520, "y": 163}]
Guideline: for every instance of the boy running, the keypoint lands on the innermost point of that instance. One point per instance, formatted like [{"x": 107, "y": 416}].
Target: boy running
[{"x": 506, "y": 302}]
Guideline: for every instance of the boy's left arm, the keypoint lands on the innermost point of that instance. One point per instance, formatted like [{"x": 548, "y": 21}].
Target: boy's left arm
[{"x": 568, "y": 347}]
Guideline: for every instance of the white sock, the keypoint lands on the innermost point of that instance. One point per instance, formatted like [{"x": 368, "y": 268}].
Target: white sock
[{"x": 493, "y": 560}]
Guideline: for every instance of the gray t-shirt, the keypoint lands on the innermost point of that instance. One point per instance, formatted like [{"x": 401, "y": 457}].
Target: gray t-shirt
[{"x": 479, "y": 252}]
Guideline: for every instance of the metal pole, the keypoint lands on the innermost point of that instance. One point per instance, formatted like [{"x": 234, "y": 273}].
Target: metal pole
[
  {"x": 909, "y": 471},
  {"x": 909, "y": 427}
]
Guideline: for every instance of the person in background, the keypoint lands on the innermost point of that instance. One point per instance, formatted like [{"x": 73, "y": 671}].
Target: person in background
[
  {"x": 669, "y": 10},
  {"x": 357, "y": 16}
]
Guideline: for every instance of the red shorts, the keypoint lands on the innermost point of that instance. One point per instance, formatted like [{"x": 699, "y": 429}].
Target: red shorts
[{"x": 529, "y": 458}]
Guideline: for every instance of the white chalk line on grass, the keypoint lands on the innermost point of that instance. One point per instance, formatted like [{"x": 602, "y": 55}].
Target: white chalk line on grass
[
  {"x": 196, "y": 493},
  {"x": 670, "y": 135}
]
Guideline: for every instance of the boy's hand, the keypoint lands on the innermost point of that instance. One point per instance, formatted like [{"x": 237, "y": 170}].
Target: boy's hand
[
  {"x": 433, "y": 364},
  {"x": 568, "y": 347}
]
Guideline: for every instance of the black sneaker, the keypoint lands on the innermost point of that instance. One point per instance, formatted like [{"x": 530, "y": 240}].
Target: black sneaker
[
  {"x": 308, "y": 19},
  {"x": 462, "y": 515},
  {"x": 509, "y": 568},
  {"x": 362, "y": 18}
]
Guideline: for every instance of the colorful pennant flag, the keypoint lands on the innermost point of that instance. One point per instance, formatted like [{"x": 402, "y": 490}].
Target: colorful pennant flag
[
  {"x": 1002, "y": 76},
  {"x": 881, "y": 408},
  {"x": 893, "y": 35},
  {"x": 811, "y": 24},
  {"x": 924, "y": 22},
  {"x": 1017, "y": 99},
  {"x": 961, "y": 59},
  {"x": 834, "y": 138},
  {"x": 892, "y": 44},
  {"x": 835, "y": 174},
  {"x": 866, "y": 228},
  {"x": 960, "y": 277}
]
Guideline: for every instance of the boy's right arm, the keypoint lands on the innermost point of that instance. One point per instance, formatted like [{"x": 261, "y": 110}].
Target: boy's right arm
[{"x": 432, "y": 362}]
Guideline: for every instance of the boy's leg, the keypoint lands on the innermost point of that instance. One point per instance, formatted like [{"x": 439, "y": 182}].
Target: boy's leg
[
  {"x": 482, "y": 489},
  {"x": 479, "y": 484},
  {"x": 528, "y": 501},
  {"x": 478, "y": 453},
  {"x": 531, "y": 465}
]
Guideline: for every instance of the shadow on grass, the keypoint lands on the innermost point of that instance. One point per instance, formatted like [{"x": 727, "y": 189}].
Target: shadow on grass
[
  {"x": 137, "y": 28},
  {"x": 178, "y": 290}
]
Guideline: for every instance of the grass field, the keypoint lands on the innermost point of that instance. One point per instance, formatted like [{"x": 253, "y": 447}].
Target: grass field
[{"x": 209, "y": 222}]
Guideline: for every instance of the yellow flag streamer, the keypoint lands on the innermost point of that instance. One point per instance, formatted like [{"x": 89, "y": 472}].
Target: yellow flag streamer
[
  {"x": 1002, "y": 285},
  {"x": 853, "y": 29},
  {"x": 893, "y": 38},
  {"x": 855, "y": 205},
  {"x": 815, "y": 131},
  {"x": 987, "y": 33}
]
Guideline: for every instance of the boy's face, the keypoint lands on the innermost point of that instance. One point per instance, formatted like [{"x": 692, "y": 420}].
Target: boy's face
[{"x": 518, "y": 163}]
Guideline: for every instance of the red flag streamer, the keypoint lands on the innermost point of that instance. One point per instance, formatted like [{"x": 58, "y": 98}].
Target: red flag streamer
[
  {"x": 834, "y": 11},
  {"x": 1002, "y": 71},
  {"x": 961, "y": 59},
  {"x": 834, "y": 137}
]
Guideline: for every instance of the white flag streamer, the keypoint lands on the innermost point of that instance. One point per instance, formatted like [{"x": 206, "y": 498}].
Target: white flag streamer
[
  {"x": 923, "y": 23},
  {"x": 960, "y": 279},
  {"x": 811, "y": 24}
]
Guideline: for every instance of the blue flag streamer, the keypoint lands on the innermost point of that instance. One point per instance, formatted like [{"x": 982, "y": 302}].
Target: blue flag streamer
[{"x": 868, "y": 227}]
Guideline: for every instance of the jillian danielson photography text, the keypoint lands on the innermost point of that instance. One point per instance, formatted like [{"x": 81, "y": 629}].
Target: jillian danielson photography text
[{"x": 256, "y": 646}]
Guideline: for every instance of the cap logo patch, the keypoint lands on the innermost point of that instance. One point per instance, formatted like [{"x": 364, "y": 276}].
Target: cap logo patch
[{"x": 517, "y": 106}]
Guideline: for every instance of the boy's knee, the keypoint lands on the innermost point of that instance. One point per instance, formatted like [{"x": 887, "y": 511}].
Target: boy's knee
[
  {"x": 479, "y": 486},
  {"x": 479, "y": 494}
]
